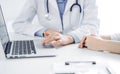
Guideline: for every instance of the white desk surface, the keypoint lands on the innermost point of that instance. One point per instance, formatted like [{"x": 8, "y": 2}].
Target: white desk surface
[{"x": 45, "y": 65}]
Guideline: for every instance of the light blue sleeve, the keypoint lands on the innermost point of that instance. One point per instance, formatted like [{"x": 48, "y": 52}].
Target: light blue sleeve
[
  {"x": 76, "y": 39},
  {"x": 40, "y": 32}
]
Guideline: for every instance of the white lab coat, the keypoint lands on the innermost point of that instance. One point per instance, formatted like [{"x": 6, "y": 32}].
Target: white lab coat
[{"x": 80, "y": 24}]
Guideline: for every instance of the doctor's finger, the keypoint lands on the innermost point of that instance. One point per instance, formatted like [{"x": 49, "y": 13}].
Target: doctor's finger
[
  {"x": 56, "y": 44},
  {"x": 82, "y": 42},
  {"x": 50, "y": 39},
  {"x": 46, "y": 34},
  {"x": 46, "y": 40}
]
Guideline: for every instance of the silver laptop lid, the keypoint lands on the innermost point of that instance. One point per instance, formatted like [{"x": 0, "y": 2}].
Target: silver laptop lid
[{"x": 3, "y": 30}]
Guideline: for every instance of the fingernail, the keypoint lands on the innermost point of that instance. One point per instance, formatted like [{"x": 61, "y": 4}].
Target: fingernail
[{"x": 80, "y": 46}]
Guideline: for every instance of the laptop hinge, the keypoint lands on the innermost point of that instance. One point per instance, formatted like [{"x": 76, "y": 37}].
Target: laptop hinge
[{"x": 8, "y": 47}]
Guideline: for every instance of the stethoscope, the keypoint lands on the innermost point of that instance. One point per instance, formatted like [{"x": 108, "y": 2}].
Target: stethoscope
[{"x": 47, "y": 15}]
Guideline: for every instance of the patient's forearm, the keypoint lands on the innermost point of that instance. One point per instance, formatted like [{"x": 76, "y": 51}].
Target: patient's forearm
[
  {"x": 106, "y": 37},
  {"x": 112, "y": 46}
]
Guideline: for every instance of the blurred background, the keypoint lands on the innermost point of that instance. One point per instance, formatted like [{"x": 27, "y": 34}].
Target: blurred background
[{"x": 108, "y": 13}]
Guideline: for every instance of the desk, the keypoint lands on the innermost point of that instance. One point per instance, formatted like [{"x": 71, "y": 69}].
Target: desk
[{"x": 45, "y": 65}]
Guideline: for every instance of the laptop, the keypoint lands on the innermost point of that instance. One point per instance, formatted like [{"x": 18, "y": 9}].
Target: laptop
[{"x": 22, "y": 48}]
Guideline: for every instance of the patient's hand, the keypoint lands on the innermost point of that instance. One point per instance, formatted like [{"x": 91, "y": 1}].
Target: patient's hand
[{"x": 92, "y": 42}]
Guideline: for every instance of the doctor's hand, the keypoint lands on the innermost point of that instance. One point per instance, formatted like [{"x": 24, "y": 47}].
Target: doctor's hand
[
  {"x": 49, "y": 32},
  {"x": 92, "y": 42},
  {"x": 57, "y": 39}
]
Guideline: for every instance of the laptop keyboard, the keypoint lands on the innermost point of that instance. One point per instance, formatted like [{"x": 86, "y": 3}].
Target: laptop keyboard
[{"x": 23, "y": 47}]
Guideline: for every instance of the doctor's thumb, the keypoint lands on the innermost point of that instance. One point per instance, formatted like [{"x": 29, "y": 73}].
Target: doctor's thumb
[{"x": 46, "y": 34}]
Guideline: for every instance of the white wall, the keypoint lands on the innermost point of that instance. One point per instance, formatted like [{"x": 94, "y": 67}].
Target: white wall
[
  {"x": 11, "y": 10},
  {"x": 109, "y": 13}
]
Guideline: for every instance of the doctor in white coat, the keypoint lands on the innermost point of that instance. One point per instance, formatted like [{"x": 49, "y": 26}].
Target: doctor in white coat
[{"x": 61, "y": 22}]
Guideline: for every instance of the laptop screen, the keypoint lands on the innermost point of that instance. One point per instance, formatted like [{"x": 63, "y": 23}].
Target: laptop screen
[{"x": 3, "y": 30}]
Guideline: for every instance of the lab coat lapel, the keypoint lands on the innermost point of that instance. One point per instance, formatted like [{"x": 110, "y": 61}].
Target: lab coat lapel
[
  {"x": 68, "y": 5},
  {"x": 53, "y": 3}
]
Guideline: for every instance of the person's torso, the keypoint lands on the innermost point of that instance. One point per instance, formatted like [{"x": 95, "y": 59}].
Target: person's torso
[{"x": 71, "y": 20}]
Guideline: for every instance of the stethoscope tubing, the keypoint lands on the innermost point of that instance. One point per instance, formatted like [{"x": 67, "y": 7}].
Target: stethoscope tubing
[
  {"x": 71, "y": 8},
  {"x": 75, "y": 4},
  {"x": 47, "y": 5}
]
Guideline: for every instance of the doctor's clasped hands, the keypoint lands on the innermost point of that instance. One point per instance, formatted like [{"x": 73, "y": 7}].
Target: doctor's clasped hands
[{"x": 56, "y": 38}]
